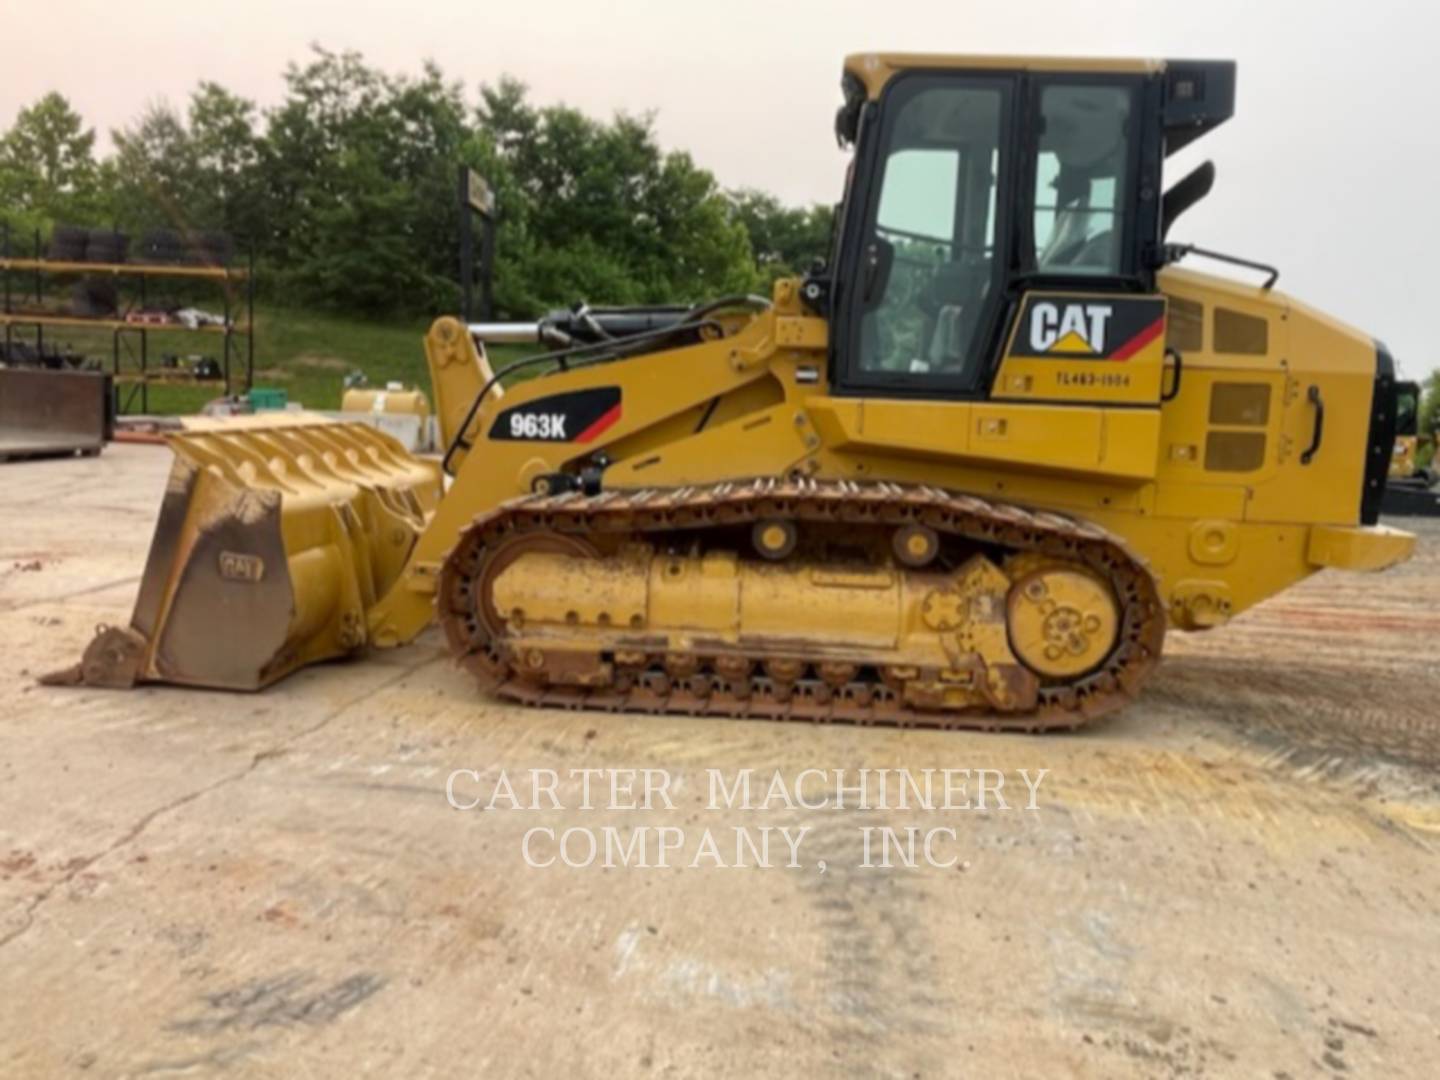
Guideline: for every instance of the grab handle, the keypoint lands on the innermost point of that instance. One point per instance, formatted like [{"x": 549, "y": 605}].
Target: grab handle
[
  {"x": 1318, "y": 402},
  {"x": 1179, "y": 370}
]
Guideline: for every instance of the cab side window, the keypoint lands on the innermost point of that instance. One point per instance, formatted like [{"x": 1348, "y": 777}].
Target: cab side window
[{"x": 1081, "y": 179}]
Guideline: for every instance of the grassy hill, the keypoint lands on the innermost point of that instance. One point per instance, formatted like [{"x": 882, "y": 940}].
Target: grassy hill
[{"x": 305, "y": 353}]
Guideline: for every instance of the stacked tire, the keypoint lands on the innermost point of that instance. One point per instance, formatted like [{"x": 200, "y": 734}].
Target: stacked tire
[
  {"x": 68, "y": 243},
  {"x": 213, "y": 249},
  {"x": 191, "y": 249},
  {"x": 106, "y": 246},
  {"x": 95, "y": 296},
  {"x": 161, "y": 246}
]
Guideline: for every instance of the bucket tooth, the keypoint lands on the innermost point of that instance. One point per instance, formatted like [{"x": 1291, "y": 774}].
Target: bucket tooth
[{"x": 111, "y": 660}]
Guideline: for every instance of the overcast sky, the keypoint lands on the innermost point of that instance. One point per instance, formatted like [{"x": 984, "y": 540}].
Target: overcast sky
[{"x": 1328, "y": 168}]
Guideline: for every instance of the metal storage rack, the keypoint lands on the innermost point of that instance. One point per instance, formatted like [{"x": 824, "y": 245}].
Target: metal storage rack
[{"x": 130, "y": 339}]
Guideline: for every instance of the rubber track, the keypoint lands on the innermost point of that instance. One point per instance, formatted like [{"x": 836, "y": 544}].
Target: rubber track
[{"x": 649, "y": 512}]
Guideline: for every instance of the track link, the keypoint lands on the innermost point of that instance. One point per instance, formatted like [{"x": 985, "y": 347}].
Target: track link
[{"x": 555, "y": 522}]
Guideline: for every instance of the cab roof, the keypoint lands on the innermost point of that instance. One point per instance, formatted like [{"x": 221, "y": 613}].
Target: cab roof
[
  {"x": 875, "y": 69},
  {"x": 1197, "y": 95}
]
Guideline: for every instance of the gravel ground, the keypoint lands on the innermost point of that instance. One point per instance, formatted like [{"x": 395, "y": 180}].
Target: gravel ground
[{"x": 1236, "y": 877}]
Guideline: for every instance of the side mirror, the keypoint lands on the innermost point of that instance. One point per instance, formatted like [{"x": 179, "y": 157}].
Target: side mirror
[{"x": 847, "y": 117}]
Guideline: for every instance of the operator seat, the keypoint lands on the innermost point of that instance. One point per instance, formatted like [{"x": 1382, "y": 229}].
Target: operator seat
[{"x": 951, "y": 302}]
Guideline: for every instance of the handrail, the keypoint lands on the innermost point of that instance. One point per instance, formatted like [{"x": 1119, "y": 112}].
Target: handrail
[
  {"x": 1179, "y": 371},
  {"x": 1173, "y": 253},
  {"x": 1315, "y": 399}
]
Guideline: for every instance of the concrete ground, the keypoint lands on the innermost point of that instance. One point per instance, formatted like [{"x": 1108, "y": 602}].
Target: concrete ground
[{"x": 1237, "y": 877}]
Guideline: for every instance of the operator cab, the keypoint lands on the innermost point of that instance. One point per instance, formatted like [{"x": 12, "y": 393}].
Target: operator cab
[{"x": 976, "y": 180}]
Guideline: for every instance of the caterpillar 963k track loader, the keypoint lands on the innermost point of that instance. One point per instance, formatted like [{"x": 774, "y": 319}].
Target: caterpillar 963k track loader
[{"x": 967, "y": 474}]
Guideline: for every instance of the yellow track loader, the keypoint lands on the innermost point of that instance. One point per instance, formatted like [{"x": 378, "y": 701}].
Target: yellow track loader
[{"x": 966, "y": 473}]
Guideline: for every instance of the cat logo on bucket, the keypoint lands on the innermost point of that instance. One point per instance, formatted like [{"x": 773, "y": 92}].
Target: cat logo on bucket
[
  {"x": 1092, "y": 328},
  {"x": 237, "y": 567}
]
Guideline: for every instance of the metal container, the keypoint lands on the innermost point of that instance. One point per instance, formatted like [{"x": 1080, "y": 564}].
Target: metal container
[{"x": 47, "y": 413}]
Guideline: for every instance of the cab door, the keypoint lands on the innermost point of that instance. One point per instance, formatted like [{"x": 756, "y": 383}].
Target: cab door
[
  {"x": 927, "y": 253},
  {"x": 997, "y": 300}
]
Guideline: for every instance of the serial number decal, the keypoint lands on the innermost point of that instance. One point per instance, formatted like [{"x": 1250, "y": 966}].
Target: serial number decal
[
  {"x": 237, "y": 567},
  {"x": 579, "y": 416},
  {"x": 1086, "y": 378}
]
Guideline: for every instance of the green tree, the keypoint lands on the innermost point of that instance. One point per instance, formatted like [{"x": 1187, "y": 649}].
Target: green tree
[
  {"x": 225, "y": 155},
  {"x": 157, "y": 176},
  {"x": 599, "y": 212},
  {"x": 359, "y": 185},
  {"x": 347, "y": 191},
  {"x": 785, "y": 239},
  {"x": 48, "y": 171}
]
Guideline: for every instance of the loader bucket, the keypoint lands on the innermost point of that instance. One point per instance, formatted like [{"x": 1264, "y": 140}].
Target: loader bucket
[{"x": 276, "y": 536}]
